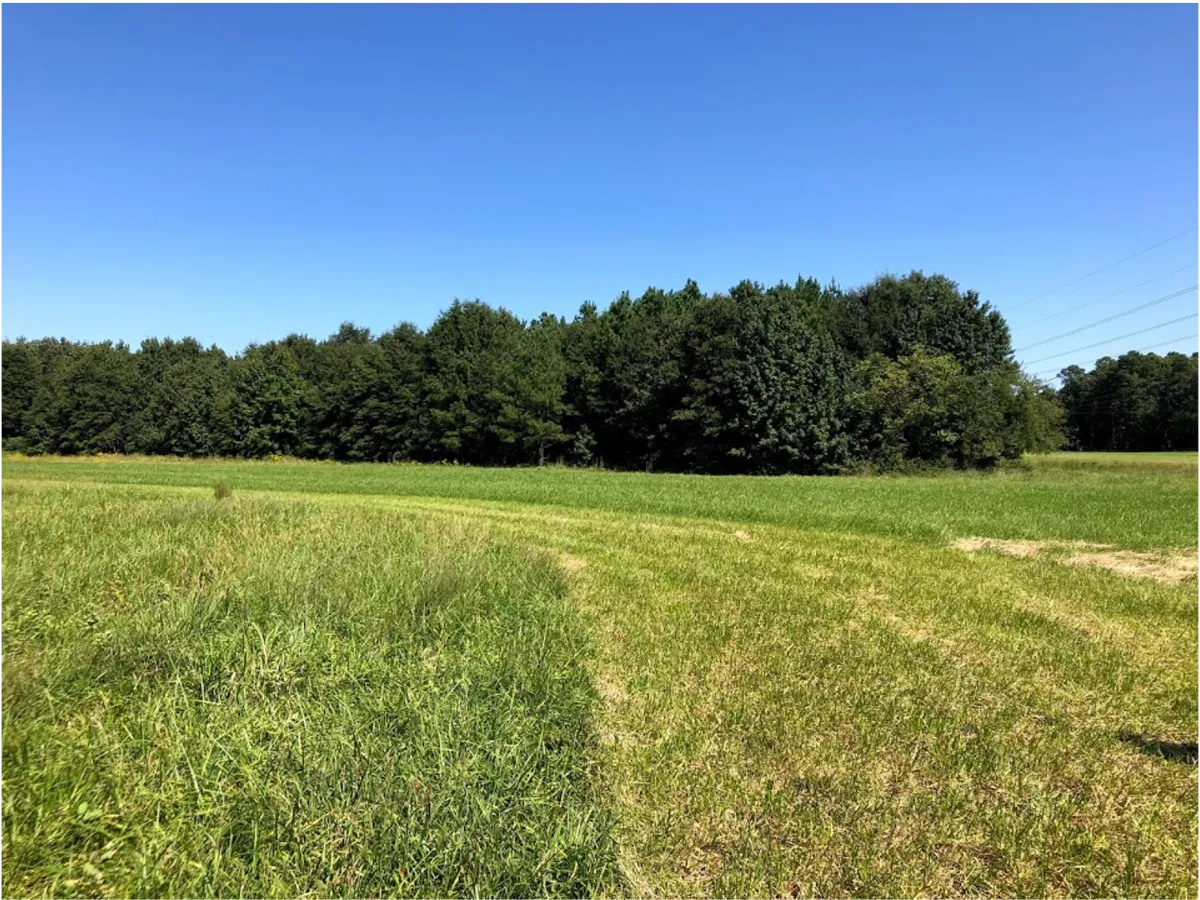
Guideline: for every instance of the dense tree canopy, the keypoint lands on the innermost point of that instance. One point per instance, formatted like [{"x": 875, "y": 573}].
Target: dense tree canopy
[
  {"x": 1139, "y": 401},
  {"x": 894, "y": 316},
  {"x": 795, "y": 378},
  {"x": 763, "y": 388}
]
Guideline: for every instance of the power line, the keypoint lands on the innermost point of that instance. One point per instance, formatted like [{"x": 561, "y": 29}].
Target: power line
[
  {"x": 1144, "y": 348},
  {"x": 1104, "y": 269},
  {"x": 1175, "y": 340},
  {"x": 1107, "y": 406},
  {"x": 1111, "y": 340},
  {"x": 1163, "y": 343},
  {"x": 1114, "y": 294},
  {"x": 1185, "y": 337},
  {"x": 1112, "y": 318}
]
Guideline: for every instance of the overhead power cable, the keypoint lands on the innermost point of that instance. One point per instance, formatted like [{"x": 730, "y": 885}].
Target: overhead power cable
[
  {"x": 1103, "y": 269},
  {"x": 1063, "y": 312},
  {"x": 1057, "y": 373},
  {"x": 1111, "y": 340},
  {"x": 1112, "y": 318},
  {"x": 1185, "y": 337}
]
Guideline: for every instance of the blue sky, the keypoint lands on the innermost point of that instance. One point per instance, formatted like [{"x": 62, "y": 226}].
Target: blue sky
[{"x": 237, "y": 173}]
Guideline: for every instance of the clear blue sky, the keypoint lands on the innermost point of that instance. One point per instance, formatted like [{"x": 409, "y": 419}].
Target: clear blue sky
[{"x": 237, "y": 173}]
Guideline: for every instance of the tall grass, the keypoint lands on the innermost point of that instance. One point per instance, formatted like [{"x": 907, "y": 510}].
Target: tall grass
[{"x": 262, "y": 698}]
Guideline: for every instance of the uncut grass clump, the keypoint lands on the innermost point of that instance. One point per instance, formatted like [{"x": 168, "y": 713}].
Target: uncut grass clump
[{"x": 274, "y": 699}]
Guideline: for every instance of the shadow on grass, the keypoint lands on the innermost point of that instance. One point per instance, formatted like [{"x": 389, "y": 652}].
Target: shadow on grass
[{"x": 1171, "y": 751}]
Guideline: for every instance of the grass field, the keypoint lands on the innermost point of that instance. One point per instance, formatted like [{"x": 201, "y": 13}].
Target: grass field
[
  {"x": 366, "y": 680},
  {"x": 1136, "y": 461}
]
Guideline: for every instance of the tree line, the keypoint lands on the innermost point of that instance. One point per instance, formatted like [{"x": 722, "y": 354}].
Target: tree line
[
  {"x": 796, "y": 378},
  {"x": 1138, "y": 401}
]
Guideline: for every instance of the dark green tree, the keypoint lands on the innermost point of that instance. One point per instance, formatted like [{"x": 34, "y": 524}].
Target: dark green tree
[
  {"x": 86, "y": 402},
  {"x": 20, "y": 380},
  {"x": 531, "y": 393},
  {"x": 471, "y": 351},
  {"x": 394, "y": 415},
  {"x": 587, "y": 345},
  {"x": 1136, "y": 402},
  {"x": 764, "y": 388},
  {"x": 893, "y": 316},
  {"x": 340, "y": 376},
  {"x": 258, "y": 409},
  {"x": 793, "y": 378},
  {"x": 642, "y": 383},
  {"x": 178, "y": 382},
  {"x": 1177, "y": 403}
]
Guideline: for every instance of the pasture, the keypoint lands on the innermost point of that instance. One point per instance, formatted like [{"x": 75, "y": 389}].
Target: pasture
[{"x": 364, "y": 680}]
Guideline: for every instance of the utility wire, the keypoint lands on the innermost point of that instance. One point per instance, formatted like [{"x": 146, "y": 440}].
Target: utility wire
[
  {"x": 1104, "y": 269},
  {"x": 1112, "y": 318},
  {"x": 1107, "y": 406},
  {"x": 1175, "y": 340},
  {"x": 1114, "y": 294},
  {"x": 1111, "y": 340},
  {"x": 1164, "y": 343}
]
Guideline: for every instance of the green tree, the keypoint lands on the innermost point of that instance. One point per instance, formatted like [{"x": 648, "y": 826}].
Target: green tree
[
  {"x": 340, "y": 376},
  {"x": 586, "y": 346},
  {"x": 765, "y": 392},
  {"x": 756, "y": 380},
  {"x": 642, "y": 382},
  {"x": 1177, "y": 403},
  {"x": 471, "y": 351},
  {"x": 394, "y": 414},
  {"x": 20, "y": 380},
  {"x": 87, "y": 400},
  {"x": 1136, "y": 402},
  {"x": 1034, "y": 415},
  {"x": 893, "y": 316},
  {"x": 258, "y": 410},
  {"x": 531, "y": 392},
  {"x": 178, "y": 384},
  {"x": 925, "y": 409}
]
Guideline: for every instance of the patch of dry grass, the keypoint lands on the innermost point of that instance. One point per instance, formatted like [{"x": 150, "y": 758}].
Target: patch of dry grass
[{"x": 1166, "y": 566}]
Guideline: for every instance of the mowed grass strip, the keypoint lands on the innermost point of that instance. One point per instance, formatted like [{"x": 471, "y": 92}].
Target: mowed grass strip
[
  {"x": 255, "y": 697},
  {"x": 1125, "y": 503},
  {"x": 792, "y": 712}
]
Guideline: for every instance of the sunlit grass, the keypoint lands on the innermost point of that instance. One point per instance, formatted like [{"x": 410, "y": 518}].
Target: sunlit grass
[
  {"x": 797, "y": 687},
  {"x": 263, "y": 698},
  {"x": 1134, "y": 507},
  {"x": 1130, "y": 461}
]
